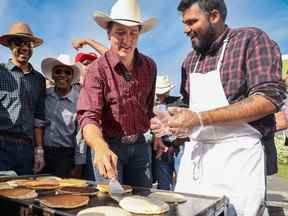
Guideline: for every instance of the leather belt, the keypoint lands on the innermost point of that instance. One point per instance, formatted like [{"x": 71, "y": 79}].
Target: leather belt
[
  {"x": 15, "y": 138},
  {"x": 130, "y": 139}
]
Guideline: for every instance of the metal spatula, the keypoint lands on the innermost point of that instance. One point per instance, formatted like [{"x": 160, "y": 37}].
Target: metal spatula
[{"x": 116, "y": 190}]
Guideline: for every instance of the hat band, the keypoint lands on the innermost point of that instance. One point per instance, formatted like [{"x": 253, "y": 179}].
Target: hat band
[{"x": 128, "y": 20}]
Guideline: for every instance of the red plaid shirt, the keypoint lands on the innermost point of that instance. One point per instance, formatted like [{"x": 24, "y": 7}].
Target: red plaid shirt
[
  {"x": 251, "y": 65},
  {"x": 119, "y": 106}
]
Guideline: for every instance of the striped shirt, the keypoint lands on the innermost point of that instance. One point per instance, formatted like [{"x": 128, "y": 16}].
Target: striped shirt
[
  {"x": 22, "y": 99},
  {"x": 62, "y": 126},
  {"x": 118, "y": 104},
  {"x": 251, "y": 66}
]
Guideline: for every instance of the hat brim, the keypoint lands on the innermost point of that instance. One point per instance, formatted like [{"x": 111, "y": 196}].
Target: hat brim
[
  {"x": 103, "y": 20},
  {"x": 164, "y": 90},
  {"x": 5, "y": 39},
  {"x": 48, "y": 64}
]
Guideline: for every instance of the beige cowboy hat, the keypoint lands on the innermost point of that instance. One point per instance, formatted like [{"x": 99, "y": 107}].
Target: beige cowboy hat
[
  {"x": 48, "y": 64},
  {"x": 20, "y": 30},
  {"x": 163, "y": 85},
  {"x": 125, "y": 12}
]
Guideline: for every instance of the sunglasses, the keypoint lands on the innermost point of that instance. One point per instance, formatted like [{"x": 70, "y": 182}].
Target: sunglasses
[
  {"x": 22, "y": 43},
  {"x": 65, "y": 71}
]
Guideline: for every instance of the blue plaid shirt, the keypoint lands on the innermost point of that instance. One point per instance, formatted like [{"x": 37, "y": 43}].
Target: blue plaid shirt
[{"x": 22, "y": 100}]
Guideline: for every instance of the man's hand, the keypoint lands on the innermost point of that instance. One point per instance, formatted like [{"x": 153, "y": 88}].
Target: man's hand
[
  {"x": 183, "y": 121},
  {"x": 106, "y": 162},
  {"x": 39, "y": 162},
  {"x": 157, "y": 127},
  {"x": 78, "y": 43},
  {"x": 76, "y": 171},
  {"x": 159, "y": 147}
]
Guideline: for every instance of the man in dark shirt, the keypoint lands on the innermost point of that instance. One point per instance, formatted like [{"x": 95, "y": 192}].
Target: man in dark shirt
[
  {"x": 232, "y": 80},
  {"x": 116, "y": 100},
  {"x": 22, "y": 94}
]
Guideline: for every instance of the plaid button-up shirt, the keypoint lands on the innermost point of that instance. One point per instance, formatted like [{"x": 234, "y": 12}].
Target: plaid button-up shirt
[
  {"x": 118, "y": 104},
  {"x": 22, "y": 98},
  {"x": 251, "y": 65}
]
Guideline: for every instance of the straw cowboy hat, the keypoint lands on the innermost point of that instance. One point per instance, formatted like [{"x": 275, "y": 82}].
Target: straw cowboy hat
[
  {"x": 20, "y": 30},
  {"x": 125, "y": 12},
  {"x": 48, "y": 64},
  {"x": 163, "y": 85}
]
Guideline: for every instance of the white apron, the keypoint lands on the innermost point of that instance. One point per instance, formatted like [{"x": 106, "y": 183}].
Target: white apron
[{"x": 223, "y": 159}]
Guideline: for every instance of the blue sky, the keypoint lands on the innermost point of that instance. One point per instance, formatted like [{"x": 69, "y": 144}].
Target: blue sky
[{"x": 59, "y": 22}]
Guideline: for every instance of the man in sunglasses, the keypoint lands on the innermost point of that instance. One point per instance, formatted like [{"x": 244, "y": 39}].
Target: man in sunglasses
[
  {"x": 22, "y": 93},
  {"x": 62, "y": 153}
]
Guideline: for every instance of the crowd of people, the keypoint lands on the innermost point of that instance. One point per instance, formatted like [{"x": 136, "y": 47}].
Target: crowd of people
[{"x": 97, "y": 116}]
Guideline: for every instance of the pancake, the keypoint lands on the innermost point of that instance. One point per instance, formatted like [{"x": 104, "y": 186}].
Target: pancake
[
  {"x": 143, "y": 205},
  {"x": 79, "y": 190},
  {"x": 104, "y": 211},
  {"x": 73, "y": 182},
  {"x": 66, "y": 201},
  {"x": 105, "y": 188},
  {"x": 18, "y": 193},
  {"x": 18, "y": 182},
  {"x": 5, "y": 185},
  {"x": 55, "y": 178},
  {"x": 169, "y": 197},
  {"x": 41, "y": 184}
]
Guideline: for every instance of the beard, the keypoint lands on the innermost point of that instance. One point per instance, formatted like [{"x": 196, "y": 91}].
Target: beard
[{"x": 205, "y": 39}]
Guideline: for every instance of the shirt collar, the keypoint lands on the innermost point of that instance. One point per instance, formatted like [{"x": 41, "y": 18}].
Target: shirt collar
[
  {"x": 114, "y": 59},
  {"x": 10, "y": 66},
  {"x": 71, "y": 96}
]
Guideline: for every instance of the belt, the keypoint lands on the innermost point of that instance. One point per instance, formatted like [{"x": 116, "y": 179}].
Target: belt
[
  {"x": 15, "y": 138},
  {"x": 127, "y": 139}
]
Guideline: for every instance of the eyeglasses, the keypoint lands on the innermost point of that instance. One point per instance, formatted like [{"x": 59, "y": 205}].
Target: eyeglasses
[
  {"x": 65, "y": 71},
  {"x": 22, "y": 43}
]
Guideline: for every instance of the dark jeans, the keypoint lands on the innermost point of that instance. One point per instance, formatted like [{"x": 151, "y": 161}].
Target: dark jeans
[
  {"x": 134, "y": 162},
  {"x": 88, "y": 172},
  {"x": 16, "y": 156},
  {"x": 58, "y": 161},
  {"x": 164, "y": 174}
]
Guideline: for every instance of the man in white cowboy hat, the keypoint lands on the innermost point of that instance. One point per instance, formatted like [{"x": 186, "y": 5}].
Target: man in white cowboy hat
[
  {"x": 63, "y": 156},
  {"x": 22, "y": 95},
  {"x": 116, "y": 101}
]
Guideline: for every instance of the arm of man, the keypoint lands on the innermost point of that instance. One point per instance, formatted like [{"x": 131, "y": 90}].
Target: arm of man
[
  {"x": 89, "y": 111},
  {"x": 281, "y": 121},
  {"x": 39, "y": 126},
  {"x": 80, "y": 42}
]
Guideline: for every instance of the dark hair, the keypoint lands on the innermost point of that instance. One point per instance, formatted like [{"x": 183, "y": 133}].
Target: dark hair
[
  {"x": 205, "y": 5},
  {"x": 110, "y": 25}
]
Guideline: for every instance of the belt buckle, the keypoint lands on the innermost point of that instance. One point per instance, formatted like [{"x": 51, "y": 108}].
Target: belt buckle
[{"x": 129, "y": 139}]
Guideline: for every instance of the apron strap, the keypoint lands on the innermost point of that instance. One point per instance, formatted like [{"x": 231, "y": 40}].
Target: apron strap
[
  {"x": 219, "y": 63},
  {"x": 222, "y": 54}
]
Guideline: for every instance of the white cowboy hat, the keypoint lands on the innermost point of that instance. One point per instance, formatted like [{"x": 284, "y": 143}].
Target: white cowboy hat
[
  {"x": 125, "y": 12},
  {"x": 163, "y": 85},
  {"x": 48, "y": 64}
]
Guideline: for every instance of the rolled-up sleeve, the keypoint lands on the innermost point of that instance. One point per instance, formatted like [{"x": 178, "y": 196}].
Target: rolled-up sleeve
[
  {"x": 91, "y": 101},
  {"x": 264, "y": 66}
]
